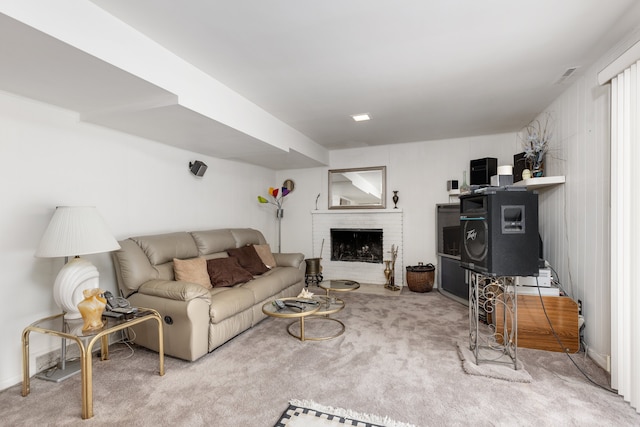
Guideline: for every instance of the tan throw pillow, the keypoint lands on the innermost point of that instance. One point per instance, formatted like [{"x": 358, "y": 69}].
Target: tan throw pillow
[
  {"x": 227, "y": 272},
  {"x": 248, "y": 259},
  {"x": 264, "y": 252},
  {"x": 192, "y": 270}
]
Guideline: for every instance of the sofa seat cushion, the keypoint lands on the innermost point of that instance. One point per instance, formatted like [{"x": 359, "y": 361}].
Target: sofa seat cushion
[
  {"x": 170, "y": 289},
  {"x": 273, "y": 282},
  {"x": 227, "y": 302}
]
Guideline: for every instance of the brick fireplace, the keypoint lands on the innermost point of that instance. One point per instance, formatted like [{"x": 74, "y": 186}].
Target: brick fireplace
[{"x": 369, "y": 271}]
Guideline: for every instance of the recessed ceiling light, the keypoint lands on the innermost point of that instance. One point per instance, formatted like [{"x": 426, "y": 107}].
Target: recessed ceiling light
[{"x": 361, "y": 117}]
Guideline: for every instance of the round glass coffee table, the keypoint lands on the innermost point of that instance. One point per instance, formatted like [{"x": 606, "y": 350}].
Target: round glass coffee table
[
  {"x": 339, "y": 286},
  {"x": 318, "y": 312},
  {"x": 270, "y": 308}
]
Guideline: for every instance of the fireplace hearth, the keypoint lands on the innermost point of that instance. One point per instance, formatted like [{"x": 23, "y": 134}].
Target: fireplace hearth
[{"x": 357, "y": 245}]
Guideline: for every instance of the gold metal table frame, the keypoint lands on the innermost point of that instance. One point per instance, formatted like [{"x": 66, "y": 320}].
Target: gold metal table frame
[
  {"x": 326, "y": 306},
  {"x": 90, "y": 340},
  {"x": 287, "y": 313},
  {"x": 339, "y": 286},
  {"x": 319, "y": 312}
]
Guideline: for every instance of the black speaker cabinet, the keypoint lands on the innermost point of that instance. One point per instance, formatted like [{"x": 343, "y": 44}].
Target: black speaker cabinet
[
  {"x": 482, "y": 170},
  {"x": 499, "y": 232}
]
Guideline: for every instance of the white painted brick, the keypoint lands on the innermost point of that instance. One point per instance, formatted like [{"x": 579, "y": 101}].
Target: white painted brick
[{"x": 389, "y": 221}]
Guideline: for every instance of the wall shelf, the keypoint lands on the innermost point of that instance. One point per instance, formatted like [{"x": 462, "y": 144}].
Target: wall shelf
[{"x": 537, "y": 183}]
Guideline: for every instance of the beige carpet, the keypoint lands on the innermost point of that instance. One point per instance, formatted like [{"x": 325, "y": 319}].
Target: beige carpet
[
  {"x": 398, "y": 358},
  {"x": 502, "y": 371}
]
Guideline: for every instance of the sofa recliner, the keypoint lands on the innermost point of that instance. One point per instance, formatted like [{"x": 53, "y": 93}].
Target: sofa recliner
[{"x": 196, "y": 319}]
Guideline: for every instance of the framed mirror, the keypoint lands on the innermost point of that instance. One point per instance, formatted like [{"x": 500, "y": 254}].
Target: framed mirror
[{"x": 358, "y": 188}]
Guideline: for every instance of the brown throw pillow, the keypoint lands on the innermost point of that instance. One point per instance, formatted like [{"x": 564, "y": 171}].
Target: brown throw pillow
[
  {"x": 192, "y": 270},
  {"x": 248, "y": 259},
  {"x": 227, "y": 272},
  {"x": 264, "y": 252}
]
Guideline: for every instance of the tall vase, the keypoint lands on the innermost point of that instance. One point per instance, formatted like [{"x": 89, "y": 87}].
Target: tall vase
[
  {"x": 387, "y": 273},
  {"x": 395, "y": 199},
  {"x": 464, "y": 188}
]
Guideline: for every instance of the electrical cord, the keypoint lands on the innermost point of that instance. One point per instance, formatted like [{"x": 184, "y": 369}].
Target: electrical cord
[{"x": 565, "y": 350}]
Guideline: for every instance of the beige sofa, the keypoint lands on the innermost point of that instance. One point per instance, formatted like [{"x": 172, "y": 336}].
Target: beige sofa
[{"x": 196, "y": 319}]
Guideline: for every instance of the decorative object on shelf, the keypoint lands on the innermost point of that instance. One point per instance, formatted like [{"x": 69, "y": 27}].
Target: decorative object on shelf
[
  {"x": 526, "y": 174},
  {"x": 464, "y": 188},
  {"x": 277, "y": 199},
  {"x": 391, "y": 265},
  {"x": 91, "y": 308},
  {"x": 536, "y": 144},
  {"x": 395, "y": 199},
  {"x": 74, "y": 231},
  {"x": 317, "y": 197}
]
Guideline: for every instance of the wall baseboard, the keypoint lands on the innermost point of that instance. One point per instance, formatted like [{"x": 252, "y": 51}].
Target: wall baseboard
[{"x": 601, "y": 360}]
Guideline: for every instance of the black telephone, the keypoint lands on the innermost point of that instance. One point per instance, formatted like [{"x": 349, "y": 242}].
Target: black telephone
[{"x": 118, "y": 305}]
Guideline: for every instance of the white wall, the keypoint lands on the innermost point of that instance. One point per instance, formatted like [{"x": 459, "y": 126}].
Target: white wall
[
  {"x": 419, "y": 171},
  {"x": 575, "y": 218},
  {"x": 49, "y": 158}
]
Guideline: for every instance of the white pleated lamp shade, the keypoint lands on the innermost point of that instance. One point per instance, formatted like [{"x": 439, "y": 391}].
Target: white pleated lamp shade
[{"x": 76, "y": 230}]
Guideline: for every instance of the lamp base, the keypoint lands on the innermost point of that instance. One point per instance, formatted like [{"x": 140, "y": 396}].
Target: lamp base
[
  {"x": 57, "y": 374},
  {"x": 74, "y": 277}
]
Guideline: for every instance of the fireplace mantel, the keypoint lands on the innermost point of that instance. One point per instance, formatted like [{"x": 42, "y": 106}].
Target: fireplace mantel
[
  {"x": 389, "y": 220},
  {"x": 356, "y": 211}
]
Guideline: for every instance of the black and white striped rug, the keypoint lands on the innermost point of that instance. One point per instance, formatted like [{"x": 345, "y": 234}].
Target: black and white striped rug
[{"x": 306, "y": 413}]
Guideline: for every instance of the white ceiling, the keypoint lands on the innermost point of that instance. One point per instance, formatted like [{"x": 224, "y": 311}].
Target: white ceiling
[{"x": 423, "y": 69}]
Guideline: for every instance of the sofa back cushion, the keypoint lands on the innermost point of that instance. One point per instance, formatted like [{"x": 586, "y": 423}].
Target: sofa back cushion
[
  {"x": 212, "y": 241},
  {"x": 132, "y": 267},
  {"x": 247, "y": 236},
  {"x": 162, "y": 248}
]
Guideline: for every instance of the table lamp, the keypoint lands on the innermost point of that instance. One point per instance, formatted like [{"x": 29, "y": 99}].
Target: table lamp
[{"x": 74, "y": 231}]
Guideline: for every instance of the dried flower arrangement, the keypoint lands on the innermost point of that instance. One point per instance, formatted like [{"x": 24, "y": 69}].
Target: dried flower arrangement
[{"x": 536, "y": 144}]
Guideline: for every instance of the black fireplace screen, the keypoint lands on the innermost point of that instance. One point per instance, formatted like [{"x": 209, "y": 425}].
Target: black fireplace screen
[{"x": 353, "y": 244}]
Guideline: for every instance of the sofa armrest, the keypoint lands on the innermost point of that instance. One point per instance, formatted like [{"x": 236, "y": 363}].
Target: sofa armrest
[
  {"x": 175, "y": 290},
  {"x": 288, "y": 260}
]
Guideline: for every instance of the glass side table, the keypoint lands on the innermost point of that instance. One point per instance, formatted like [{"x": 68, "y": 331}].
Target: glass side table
[
  {"x": 72, "y": 330},
  {"x": 339, "y": 286}
]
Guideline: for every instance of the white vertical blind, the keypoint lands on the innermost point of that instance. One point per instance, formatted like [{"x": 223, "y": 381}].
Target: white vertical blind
[{"x": 625, "y": 235}]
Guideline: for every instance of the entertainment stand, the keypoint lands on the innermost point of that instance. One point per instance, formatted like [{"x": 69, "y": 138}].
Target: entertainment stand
[{"x": 450, "y": 276}]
